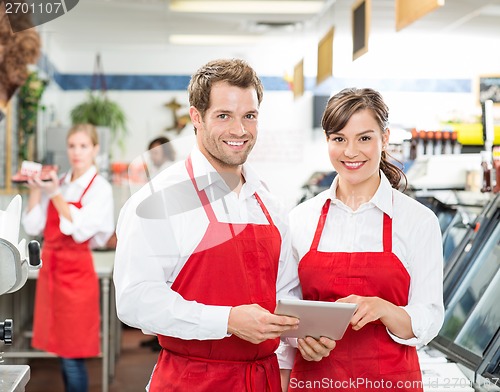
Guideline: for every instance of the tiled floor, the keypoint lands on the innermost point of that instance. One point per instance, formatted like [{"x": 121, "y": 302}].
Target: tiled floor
[{"x": 133, "y": 368}]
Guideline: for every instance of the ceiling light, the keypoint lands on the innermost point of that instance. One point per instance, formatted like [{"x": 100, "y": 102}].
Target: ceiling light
[
  {"x": 490, "y": 10},
  {"x": 194, "y": 39},
  {"x": 249, "y": 7}
]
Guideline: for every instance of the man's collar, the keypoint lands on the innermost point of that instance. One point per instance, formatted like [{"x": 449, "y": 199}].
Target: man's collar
[{"x": 206, "y": 175}]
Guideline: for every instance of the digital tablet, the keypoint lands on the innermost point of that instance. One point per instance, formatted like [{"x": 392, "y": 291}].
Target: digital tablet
[{"x": 317, "y": 318}]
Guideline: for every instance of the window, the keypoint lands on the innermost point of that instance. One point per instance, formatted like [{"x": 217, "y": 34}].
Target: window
[{"x": 361, "y": 11}]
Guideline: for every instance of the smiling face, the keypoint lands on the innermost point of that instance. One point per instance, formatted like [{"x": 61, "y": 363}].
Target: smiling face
[
  {"x": 355, "y": 152},
  {"x": 81, "y": 152},
  {"x": 228, "y": 131}
]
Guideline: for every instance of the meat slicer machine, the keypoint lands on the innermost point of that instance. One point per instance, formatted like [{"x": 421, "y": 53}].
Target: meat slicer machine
[{"x": 15, "y": 262}]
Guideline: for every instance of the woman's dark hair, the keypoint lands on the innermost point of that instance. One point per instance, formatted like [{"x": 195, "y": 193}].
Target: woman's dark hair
[
  {"x": 164, "y": 142},
  {"x": 343, "y": 105}
]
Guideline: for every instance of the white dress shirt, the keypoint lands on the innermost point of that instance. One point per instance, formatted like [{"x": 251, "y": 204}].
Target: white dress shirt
[
  {"x": 154, "y": 170},
  {"x": 159, "y": 228},
  {"x": 95, "y": 220},
  {"x": 416, "y": 242}
]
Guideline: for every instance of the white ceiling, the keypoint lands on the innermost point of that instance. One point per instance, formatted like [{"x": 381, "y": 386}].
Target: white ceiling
[{"x": 113, "y": 24}]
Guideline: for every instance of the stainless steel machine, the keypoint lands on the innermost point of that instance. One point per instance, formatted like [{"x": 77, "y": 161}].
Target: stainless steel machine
[{"x": 16, "y": 259}]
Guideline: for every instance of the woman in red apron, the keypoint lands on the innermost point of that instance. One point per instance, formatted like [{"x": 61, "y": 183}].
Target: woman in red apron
[
  {"x": 347, "y": 254},
  {"x": 66, "y": 317}
]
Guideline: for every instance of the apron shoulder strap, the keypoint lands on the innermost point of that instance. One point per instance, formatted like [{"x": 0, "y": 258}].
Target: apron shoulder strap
[
  {"x": 206, "y": 203},
  {"x": 264, "y": 209},
  {"x": 87, "y": 188},
  {"x": 201, "y": 194},
  {"x": 387, "y": 234},
  {"x": 321, "y": 224}
]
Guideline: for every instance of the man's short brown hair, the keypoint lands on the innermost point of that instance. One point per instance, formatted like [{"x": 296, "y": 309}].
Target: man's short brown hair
[{"x": 235, "y": 72}]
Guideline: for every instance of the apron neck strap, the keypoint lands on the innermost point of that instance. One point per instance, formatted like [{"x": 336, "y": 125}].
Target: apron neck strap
[
  {"x": 206, "y": 203},
  {"x": 264, "y": 209},
  {"x": 321, "y": 224},
  {"x": 87, "y": 188},
  {"x": 387, "y": 229},
  {"x": 387, "y": 239},
  {"x": 201, "y": 194}
]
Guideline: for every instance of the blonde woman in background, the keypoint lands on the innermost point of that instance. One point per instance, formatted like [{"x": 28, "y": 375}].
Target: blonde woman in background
[{"x": 75, "y": 214}]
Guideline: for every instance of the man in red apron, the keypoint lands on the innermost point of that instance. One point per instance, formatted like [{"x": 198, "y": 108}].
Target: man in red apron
[
  {"x": 216, "y": 364},
  {"x": 232, "y": 269}
]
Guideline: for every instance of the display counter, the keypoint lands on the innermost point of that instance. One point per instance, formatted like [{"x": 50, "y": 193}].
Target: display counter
[
  {"x": 470, "y": 335},
  {"x": 20, "y": 305},
  {"x": 13, "y": 378}
]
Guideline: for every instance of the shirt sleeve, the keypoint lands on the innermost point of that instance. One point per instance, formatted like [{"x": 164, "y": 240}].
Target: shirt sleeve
[
  {"x": 286, "y": 352},
  {"x": 288, "y": 286},
  {"x": 34, "y": 221},
  {"x": 425, "y": 305},
  {"x": 146, "y": 257},
  {"x": 94, "y": 219}
]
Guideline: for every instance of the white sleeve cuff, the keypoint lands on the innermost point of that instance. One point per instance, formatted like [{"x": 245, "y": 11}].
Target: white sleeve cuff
[
  {"x": 406, "y": 342},
  {"x": 286, "y": 352},
  {"x": 213, "y": 322},
  {"x": 66, "y": 226},
  {"x": 33, "y": 221},
  {"x": 419, "y": 321}
]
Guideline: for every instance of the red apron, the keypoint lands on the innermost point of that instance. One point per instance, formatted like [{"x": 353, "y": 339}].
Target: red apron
[
  {"x": 66, "y": 320},
  {"x": 368, "y": 359},
  {"x": 226, "y": 269}
]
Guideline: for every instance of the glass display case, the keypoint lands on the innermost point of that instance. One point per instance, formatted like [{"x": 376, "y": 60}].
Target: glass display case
[
  {"x": 471, "y": 245},
  {"x": 470, "y": 333},
  {"x": 490, "y": 366},
  {"x": 317, "y": 183},
  {"x": 457, "y": 213}
]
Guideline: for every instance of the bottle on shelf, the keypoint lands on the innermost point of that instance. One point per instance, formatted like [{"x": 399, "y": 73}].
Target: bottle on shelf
[
  {"x": 438, "y": 143},
  {"x": 486, "y": 166},
  {"x": 422, "y": 141},
  {"x": 496, "y": 168},
  {"x": 429, "y": 147},
  {"x": 447, "y": 149},
  {"x": 456, "y": 147},
  {"x": 405, "y": 150},
  {"x": 413, "y": 144}
]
